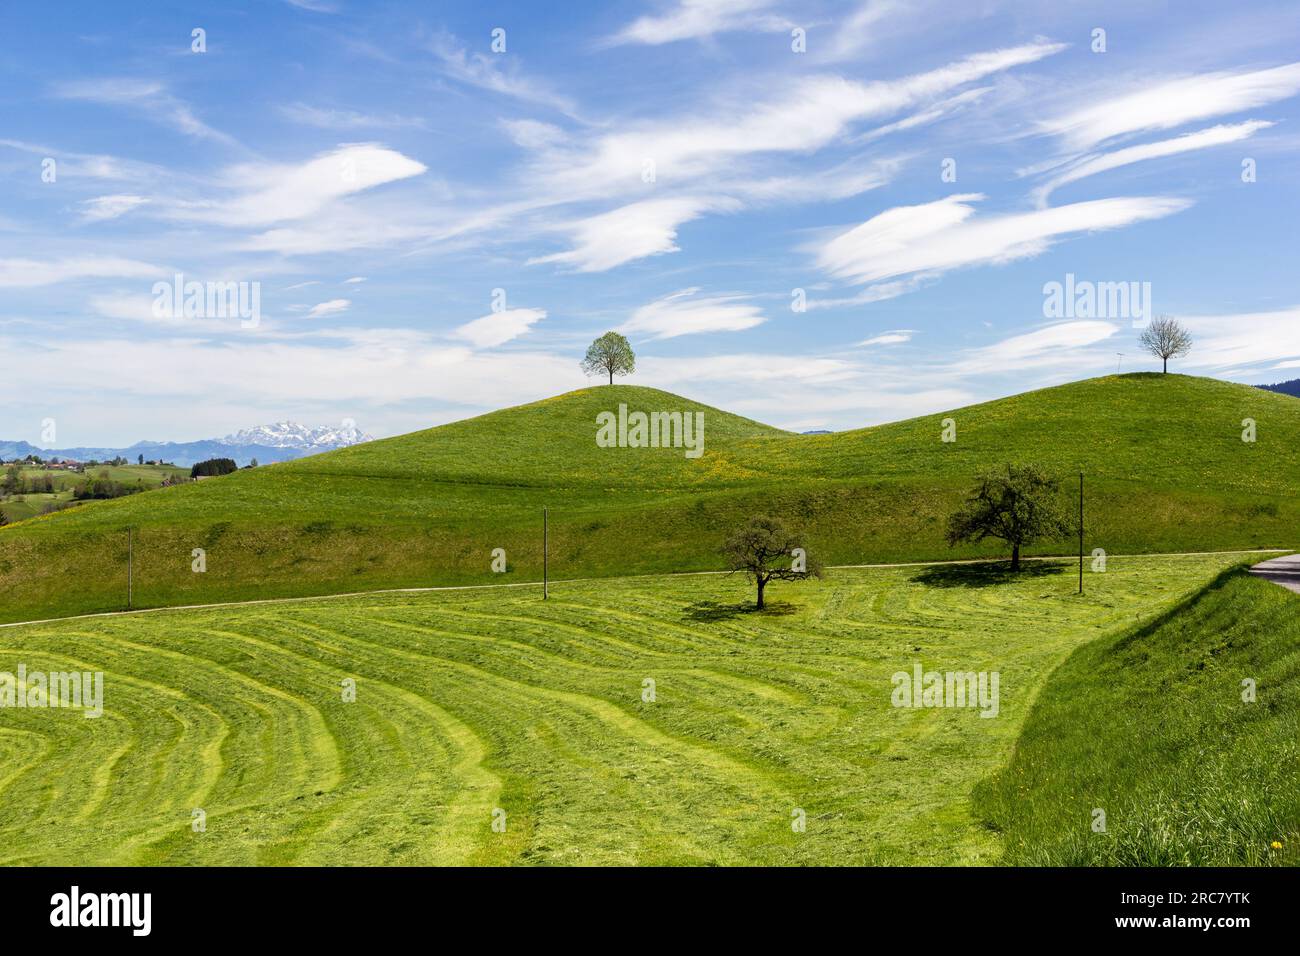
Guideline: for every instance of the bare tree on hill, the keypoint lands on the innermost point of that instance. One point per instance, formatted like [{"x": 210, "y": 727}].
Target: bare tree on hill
[{"x": 1165, "y": 338}]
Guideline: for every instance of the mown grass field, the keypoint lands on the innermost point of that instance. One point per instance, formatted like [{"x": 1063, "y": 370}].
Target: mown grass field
[
  {"x": 1151, "y": 726},
  {"x": 1167, "y": 471},
  {"x": 469, "y": 701}
]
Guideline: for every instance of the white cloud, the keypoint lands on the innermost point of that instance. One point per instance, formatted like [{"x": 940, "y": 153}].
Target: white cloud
[
  {"x": 879, "y": 292},
  {"x": 149, "y": 97},
  {"x": 1224, "y": 341},
  {"x": 287, "y": 192},
  {"x": 814, "y": 112},
  {"x": 486, "y": 71},
  {"x": 1100, "y": 163},
  {"x": 139, "y": 307},
  {"x": 332, "y": 307},
  {"x": 497, "y": 328},
  {"x": 849, "y": 178},
  {"x": 91, "y": 165},
  {"x": 683, "y": 314},
  {"x": 745, "y": 368},
  {"x": 699, "y": 19},
  {"x": 1175, "y": 102},
  {"x": 323, "y": 118},
  {"x": 859, "y": 29},
  {"x": 15, "y": 273},
  {"x": 1051, "y": 345},
  {"x": 630, "y": 232},
  {"x": 894, "y": 337},
  {"x": 102, "y": 208},
  {"x": 355, "y": 280},
  {"x": 363, "y": 373},
  {"x": 930, "y": 114},
  {"x": 941, "y": 235}
]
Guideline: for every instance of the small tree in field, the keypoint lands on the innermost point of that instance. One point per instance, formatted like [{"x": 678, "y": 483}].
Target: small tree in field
[
  {"x": 1019, "y": 507},
  {"x": 611, "y": 353},
  {"x": 1165, "y": 338},
  {"x": 766, "y": 551}
]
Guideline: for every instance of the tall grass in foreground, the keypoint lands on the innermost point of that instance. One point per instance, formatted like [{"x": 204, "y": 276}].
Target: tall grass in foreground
[{"x": 1151, "y": 727}]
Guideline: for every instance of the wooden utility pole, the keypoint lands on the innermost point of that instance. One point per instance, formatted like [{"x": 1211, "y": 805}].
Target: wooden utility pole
[
  {"x": 130, "y": 568},
  {"x": 544, "y": 568},
  {"x": 1080, "y": 532}
]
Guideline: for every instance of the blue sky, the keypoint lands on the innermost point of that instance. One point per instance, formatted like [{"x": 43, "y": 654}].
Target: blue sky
[{"x": 675, "y": 169}]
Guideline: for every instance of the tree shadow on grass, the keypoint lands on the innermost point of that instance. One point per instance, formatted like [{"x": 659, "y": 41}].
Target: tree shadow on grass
[
  {"x": 984, "y": 574},
  {"x": 707, "y": 611}
]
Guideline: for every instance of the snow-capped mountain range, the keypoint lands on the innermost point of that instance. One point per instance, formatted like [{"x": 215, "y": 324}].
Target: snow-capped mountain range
[
  {"x": 293, "y": 435},
  {"x": 282, "y": 441}
]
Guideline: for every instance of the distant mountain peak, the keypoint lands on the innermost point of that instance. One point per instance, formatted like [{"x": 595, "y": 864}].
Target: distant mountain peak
[{"x": 293, "y": 435}]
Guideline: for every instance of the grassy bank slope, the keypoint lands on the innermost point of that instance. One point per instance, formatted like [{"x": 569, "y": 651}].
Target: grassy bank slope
[
  {"x": 1167, "y": 470},
  {"x": 1150, "y": 726}
]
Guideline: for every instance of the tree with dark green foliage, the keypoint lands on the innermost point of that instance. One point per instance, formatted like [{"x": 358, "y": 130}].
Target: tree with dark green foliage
[
  {"x": 611, "y": 353},
  {"x": 1020, "y": 506},
  {"x": 213, "y": 466},
  {"x": 765, "y": 550}
]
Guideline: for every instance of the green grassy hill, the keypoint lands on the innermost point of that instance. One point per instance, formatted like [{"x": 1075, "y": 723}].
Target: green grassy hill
[
  {"x": 1167, "y": 471},
  {"x": 1150, "y": 725},
  {"x": 471, "y": 701}
]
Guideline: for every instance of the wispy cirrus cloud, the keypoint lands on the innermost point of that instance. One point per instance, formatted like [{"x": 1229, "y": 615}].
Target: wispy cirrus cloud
[
  {"x": 1169, "y": 104},
  {"x": 149, "y": 97},
  {"x": 341, "y": 119},
  {"x": 698, "y": 20},
  {"x": 631, "y": 232},
  {"x": 894, "y": 337},
  {"x": 939, "y": 236},
  {"x": 296, "y": 191},
  {"x": 498, "y": 328},
  {"x": 1103, "y": 162},
  {"x": 330, "y": 307},
  {"x": 1244, "y": 339},
  {"x": 103, "y": 208},
  {"x": 810, "y": 113},
  {"x": 495, "y": 73},
  {"x": 859, "y": 29},
  {"x": 17, "y": 273},
  {"x": 686, "y": 313},
  {"x": 1055, "y": 344}
]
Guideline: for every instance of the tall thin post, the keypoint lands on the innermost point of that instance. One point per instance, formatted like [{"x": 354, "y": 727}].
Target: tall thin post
[
  {"x": 130, "y": 568},
  {"x": 1080, "y": 532},
  {"x": 544, "y": 568}
]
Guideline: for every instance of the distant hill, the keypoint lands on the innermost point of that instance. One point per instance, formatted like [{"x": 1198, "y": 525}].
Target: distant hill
[
  {"x": 1165, "y": 467},
  {"x": 1291, "y": 387},
  {"x": 283, "y": 441}
]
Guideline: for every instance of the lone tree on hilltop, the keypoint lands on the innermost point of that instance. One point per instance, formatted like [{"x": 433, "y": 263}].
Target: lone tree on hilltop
[
  {"x": 610, "y": 353},
  {"x": 1165, "y": 338},
  {"x": 766, "y": 551},
  {"x": 1019, "y": 507}
]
